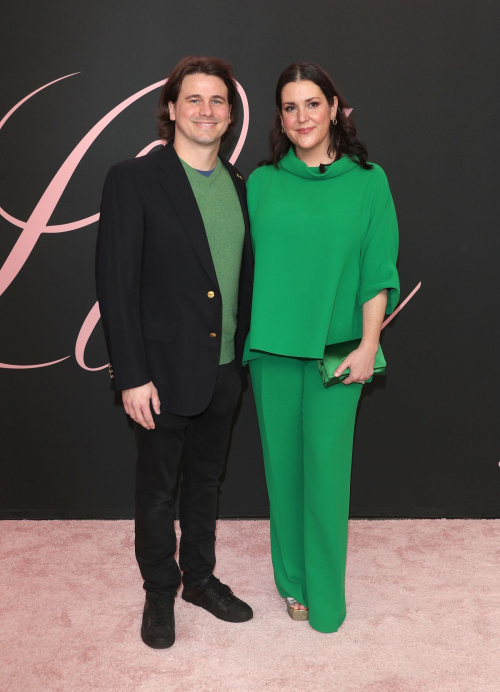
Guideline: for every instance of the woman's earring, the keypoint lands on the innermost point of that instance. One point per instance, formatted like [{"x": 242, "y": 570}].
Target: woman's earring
[
  {"x": 283, "y": 129},
  {"x": 334, "y": 120}
]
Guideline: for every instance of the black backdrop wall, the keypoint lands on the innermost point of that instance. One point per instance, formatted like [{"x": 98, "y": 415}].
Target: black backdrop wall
[{"x": 419, "y": 78}]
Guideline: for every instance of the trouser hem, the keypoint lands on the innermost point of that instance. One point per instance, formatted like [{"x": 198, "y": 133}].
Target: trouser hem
[
  {"x": 327, "y": 630},
  {"x": 196, "y": 582}
]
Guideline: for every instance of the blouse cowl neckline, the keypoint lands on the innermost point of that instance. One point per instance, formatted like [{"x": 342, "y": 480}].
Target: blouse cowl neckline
[{"x": 294, "y": 165}]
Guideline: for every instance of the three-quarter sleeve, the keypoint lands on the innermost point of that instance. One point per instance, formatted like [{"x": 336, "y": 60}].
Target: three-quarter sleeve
[{"x": 379, "y": 251}]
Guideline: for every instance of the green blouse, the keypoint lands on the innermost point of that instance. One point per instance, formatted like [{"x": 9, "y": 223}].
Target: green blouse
[{"x": 324, "y": 244}]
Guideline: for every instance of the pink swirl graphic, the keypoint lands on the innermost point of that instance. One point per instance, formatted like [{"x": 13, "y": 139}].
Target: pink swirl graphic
[
  {"x": 400, "y": 307},
  {"x": 38, "y": 222}
]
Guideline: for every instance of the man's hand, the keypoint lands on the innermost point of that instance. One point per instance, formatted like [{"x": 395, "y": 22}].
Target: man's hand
[{"x": 136, "y": 404}]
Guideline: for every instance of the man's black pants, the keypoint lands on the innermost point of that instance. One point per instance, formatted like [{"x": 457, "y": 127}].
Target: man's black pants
[{"x": 202, "y": 441}]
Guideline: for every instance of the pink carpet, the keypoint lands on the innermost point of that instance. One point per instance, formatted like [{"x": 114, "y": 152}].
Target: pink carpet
[{"x": 423, "y": 614}]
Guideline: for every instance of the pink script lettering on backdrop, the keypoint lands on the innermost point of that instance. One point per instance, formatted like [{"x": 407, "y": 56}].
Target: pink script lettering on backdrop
[{"x": 38, "y": 221}]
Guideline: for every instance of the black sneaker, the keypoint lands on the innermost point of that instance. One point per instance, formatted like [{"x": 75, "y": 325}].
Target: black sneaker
[
  {"x": 158, "y": 622},
  {"x": 218, "y": 599}
]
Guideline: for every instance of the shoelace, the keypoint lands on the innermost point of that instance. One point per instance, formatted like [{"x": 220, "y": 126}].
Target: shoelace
[
  {"x": 221, "y": 591},
  {"x": 162, "y": 611}
]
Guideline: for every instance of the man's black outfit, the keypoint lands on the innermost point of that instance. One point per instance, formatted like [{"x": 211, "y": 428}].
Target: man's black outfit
[
  {"x": 162, "y": 316},
  {"x": 202, "y": 440}
]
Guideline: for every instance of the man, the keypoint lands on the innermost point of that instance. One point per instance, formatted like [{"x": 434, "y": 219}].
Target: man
[{"x": 174, "y": 271}]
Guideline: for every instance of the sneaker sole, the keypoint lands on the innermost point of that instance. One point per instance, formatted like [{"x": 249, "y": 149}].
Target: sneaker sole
[
  {"x": 220, "y": 616},
  {"x": 155, "y": 644}
]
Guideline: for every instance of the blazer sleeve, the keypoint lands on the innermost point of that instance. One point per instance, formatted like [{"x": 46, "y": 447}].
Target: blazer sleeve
[
  {"x": 379, "y": 251},
  {"x": 118, "y": 278}
]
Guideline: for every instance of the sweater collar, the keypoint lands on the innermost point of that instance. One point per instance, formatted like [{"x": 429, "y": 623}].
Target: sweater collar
[{"x": 292, "y": 164}]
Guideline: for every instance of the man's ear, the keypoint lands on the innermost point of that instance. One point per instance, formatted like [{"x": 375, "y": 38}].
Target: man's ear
[{"x": 171, "y": 110}]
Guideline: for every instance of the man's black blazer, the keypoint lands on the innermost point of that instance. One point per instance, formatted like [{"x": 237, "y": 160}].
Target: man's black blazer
[{"x": 155, "y": 278}]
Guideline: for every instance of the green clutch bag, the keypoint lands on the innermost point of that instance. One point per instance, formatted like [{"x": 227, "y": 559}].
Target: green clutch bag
[{"x": 336, "y": 353}]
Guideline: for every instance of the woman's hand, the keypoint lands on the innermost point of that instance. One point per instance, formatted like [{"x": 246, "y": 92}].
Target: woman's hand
[{"x": 361, "y": 362}]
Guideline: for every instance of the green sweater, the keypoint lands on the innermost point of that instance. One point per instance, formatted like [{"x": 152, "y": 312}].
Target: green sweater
[
  {"x": 220, "y": 210},
  {"x": 324, "y": 244}
]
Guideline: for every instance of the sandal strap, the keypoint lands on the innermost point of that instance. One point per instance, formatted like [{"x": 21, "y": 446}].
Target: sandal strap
[{"x": 291, "y": 601}]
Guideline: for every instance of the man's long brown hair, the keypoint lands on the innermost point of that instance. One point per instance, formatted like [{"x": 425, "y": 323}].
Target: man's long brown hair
[{"x": 170, "y": 92}]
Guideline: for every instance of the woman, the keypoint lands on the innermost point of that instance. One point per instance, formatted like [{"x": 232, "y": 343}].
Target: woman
[{"x": 325, "y": 238}]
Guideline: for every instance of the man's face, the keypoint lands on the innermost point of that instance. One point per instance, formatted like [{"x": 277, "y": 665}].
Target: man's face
[{"x": 202, "y": 112}]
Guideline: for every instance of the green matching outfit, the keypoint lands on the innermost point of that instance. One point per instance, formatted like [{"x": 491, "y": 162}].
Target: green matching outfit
[{"x": 324, "y": 244}]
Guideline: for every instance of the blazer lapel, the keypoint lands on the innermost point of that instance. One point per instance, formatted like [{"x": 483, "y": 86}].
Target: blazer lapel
[
  {"x": 239, "y": 184},
  {"x": 174, "y": 181}
]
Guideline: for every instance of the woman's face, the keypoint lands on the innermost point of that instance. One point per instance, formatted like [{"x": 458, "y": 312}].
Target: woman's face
[{"x": 306, "y": 114}]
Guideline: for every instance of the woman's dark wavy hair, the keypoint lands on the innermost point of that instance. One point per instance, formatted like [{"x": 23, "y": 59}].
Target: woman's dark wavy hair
[
  {"x": 343, "y": 138},
  {"x": 193, "y": 64}
]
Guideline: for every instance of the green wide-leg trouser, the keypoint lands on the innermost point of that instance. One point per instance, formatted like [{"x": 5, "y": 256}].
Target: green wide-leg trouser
[{"x": 307, "y": 433}]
